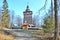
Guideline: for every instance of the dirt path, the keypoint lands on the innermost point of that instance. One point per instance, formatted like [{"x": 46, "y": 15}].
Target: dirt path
[{"x": 23, "y": 35}]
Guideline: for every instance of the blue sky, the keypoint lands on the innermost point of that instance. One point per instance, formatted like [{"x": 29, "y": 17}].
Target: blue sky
[{"x": 20, "y": 5}]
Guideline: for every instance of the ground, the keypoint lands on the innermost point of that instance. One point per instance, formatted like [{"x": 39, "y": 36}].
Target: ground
[
  {"x": 23, "y": 35},
  {"x": 5, "y": 37},
  {"x": 28, "y": 34}
]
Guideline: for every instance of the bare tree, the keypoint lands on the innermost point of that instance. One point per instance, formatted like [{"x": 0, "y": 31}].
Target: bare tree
[
  {"x": 19, "y": 21},
  {"x": 12, "y": 18},
  {"x": 0, "y": 18},
  {"x": 36, "y": 21},
  {"x": 0, "y": 15}
]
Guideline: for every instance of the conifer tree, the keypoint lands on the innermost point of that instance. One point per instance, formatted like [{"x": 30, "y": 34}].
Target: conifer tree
[{"x": 5, "y": 16}]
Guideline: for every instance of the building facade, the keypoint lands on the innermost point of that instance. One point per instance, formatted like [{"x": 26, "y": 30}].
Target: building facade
[{"x": 27, "y": 15}]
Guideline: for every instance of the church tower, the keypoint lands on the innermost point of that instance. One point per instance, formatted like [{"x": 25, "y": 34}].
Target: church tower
[{"x": 27, "y": 15}]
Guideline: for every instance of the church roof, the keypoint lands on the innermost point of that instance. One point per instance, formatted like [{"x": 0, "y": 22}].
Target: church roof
[{"x": 27, "y": 8}]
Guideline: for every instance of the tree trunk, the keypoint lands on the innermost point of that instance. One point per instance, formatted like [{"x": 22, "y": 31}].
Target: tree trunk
[{"x": 56, "y": 19}]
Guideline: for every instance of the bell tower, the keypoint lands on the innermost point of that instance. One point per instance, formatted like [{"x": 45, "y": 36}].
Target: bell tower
[{"x": 27, "y": 15}]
